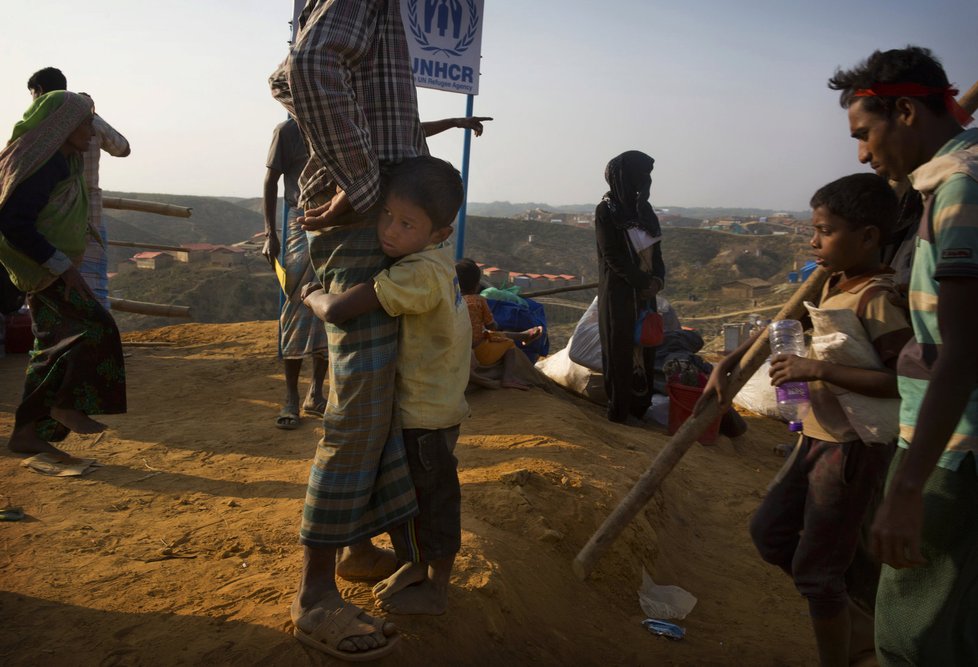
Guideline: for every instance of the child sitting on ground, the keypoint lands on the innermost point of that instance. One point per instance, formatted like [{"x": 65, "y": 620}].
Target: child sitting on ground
[
  {"x": 422, "y": 196},
  {"x": 489, "y": 345},
  {"x": 809, "y": 522}
]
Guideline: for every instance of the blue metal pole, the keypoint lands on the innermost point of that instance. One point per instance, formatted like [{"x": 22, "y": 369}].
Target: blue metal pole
[{"x": 460, "y": 228}]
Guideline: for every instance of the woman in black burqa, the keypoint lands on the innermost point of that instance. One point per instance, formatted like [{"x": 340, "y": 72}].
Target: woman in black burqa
[{"x": 631, "y": 273}]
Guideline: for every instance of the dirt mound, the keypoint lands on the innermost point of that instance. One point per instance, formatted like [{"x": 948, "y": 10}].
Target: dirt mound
[{"x": 182, "y": 548}]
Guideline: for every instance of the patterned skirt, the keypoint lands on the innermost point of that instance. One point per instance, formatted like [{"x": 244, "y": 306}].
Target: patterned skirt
[
  {"x": 303, "y": 334},
  {"x": 360, "y": 482},
  {"x": 76, "y": 361}
]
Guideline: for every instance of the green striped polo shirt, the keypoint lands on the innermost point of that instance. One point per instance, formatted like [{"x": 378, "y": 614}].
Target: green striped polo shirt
[{"x": 947, "y": 246}]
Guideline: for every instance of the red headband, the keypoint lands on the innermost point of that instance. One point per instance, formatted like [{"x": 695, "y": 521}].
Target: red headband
[{"x": 917, "y": 90}]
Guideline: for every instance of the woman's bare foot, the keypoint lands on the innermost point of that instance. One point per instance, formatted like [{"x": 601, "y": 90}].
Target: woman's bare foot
[
  {"x": 77, "y": 421},
  {"x": 24, "y": 440},
  {"x": 423, "y": 599},
  {"x": 408, "y": 575},
  {"x": 365, "y": 562}
]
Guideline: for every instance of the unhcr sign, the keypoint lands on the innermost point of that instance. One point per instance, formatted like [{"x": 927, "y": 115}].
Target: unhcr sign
[{"x": 445, "y": 42}]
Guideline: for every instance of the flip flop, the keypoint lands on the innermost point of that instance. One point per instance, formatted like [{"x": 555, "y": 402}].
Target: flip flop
[
  {"x": 11, "y": 514},
  {"x": 342, "y": 624},
  {"x": 314, "y": 409},
  {"x": 287, "y": 420}
]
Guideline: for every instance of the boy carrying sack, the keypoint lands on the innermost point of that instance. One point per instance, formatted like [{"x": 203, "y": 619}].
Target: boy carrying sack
[{"x": 810, "y": 520}]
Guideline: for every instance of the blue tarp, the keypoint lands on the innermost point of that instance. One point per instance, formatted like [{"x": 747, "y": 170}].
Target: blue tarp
[
  {"x": 807, "y": 270},
  {"x": 518, "y": 317}
]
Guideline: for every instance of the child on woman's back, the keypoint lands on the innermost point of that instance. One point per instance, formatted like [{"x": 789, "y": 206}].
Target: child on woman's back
[
  {"x": 489, "y": 345},
  {"x": 422, "y": 197}
]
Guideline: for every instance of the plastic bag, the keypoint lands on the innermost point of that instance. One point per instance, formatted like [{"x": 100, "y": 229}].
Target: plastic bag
[
  {"x": 581, "y": 380},
  {"x": 512, "y": 316},
  {"x": 510, "y": 294},
  {"x": 648, "y": 329},
  {"x": 664, "y": 601},
  {"x": 839, "y": 337},
  {"x": 757, "y": 395},
  {"x": 585, "y": 344}
]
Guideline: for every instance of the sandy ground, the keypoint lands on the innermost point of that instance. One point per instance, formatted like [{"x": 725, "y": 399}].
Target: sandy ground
[{"x": 182, "y": 549}]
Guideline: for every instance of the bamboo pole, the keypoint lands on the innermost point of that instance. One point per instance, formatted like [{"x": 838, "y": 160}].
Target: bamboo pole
[
  {"x": 147, "y": 246},
  {"x": 706, "y": 411},
  {"x": 969, "y": 101},
  {"x": 559, "y": 290},
  {"x": 143, "y": 308},
  {"x": 119, "y": 203}
]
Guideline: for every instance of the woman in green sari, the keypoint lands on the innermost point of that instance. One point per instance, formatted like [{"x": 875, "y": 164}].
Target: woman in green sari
[{"x": 76, "y": 367}]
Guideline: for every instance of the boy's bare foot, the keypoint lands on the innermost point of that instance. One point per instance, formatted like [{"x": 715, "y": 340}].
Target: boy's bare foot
[
  {"x": 24, "y": 440},
  {"x": 365, "y": 562},
  {"x": 331, "y": 626},
  {"x": 424, "y": 598},
  {"x": 408, "y": 575},
  {"x": 77, "y": 421}
]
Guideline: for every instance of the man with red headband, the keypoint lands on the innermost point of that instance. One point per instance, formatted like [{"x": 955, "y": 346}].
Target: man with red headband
[{"x": 903, "y": 114}]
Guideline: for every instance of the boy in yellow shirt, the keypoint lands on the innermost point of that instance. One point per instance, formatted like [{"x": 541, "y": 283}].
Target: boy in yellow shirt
[{"x": 423, "y": 195}]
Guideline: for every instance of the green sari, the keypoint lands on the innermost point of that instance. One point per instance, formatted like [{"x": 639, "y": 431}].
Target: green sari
[
  {"x": 77, "y": 358},
  {"x": 64, "y": 220}
]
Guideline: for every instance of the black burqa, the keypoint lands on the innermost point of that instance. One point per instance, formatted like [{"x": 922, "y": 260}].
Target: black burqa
[{"x": 621, "y": 279}]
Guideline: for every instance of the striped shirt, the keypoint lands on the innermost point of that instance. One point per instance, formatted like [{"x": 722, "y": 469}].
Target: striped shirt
[
  {"x": 348, "y": 83},
  {"x": 947, "y": 247},
  {"x": 95, "y": 263}
]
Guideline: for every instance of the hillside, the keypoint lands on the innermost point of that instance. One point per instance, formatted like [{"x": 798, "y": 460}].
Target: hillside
[
  {"x": 214, "y": 294},
  {"x": 214, "y": 220},
  {"x": 505, "y": 209},
  {"x": 698, "y": 262},
  {"x": 182, "y": 548}
]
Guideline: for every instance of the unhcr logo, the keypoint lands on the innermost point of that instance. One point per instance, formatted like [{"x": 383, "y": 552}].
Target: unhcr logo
[{"x": 446, "y": 27}]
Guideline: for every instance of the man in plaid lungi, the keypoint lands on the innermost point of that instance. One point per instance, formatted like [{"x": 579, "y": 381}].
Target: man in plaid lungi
[{"x": 348, "y": 84}]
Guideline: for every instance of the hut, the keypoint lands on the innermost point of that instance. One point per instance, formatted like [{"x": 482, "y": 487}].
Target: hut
[
  {"x": 153, "y": 260},
  {"x": 227, "y": 256},
  {"x": 746, "y": 288},
  {"x": 194, "y": 252}
]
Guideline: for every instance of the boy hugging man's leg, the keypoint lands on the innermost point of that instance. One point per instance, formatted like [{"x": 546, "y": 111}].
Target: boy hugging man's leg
[
  {"x": 434, "y": 348},
  {"x": 809, "y": 522}
]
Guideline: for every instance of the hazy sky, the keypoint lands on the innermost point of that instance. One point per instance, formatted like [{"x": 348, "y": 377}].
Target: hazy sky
[{"x": 728, "y": 97}]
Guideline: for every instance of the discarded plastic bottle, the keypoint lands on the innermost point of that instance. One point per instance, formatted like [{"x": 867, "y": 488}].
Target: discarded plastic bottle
[{"x": 787, "y": 337}]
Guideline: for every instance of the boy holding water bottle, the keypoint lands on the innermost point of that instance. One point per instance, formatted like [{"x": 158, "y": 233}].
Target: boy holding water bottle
[{"x": 809, "y": 522}]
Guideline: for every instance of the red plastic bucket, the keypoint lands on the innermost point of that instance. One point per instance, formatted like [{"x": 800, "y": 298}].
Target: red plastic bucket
[
  {"x": 681, "y": 401},
  {"x": 20, "y": 338}
]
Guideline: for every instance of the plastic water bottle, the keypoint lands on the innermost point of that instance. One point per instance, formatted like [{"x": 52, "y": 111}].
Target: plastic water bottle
[{"x": 787, "y": 337}]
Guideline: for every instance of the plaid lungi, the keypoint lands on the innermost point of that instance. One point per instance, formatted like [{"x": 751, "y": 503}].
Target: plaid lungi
[
  {"x": 360, "y": 482},
  {"x": 303, "y": 334}
]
